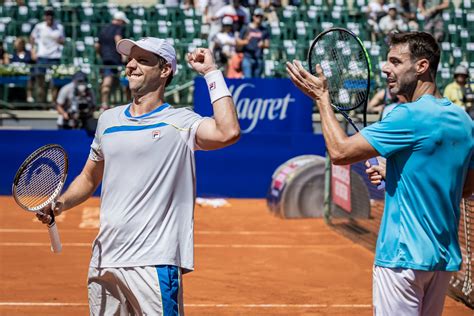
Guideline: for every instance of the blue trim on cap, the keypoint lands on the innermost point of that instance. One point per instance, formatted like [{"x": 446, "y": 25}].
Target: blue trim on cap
[
  {"x": 158, "y": 109},
  {"x": 131, "y": 128},
  {"x": 168, "y": 278}
]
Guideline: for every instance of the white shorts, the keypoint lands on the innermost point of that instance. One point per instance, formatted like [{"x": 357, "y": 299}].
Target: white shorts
[
  {"x": 409, "y": 292},
  {"x": 152, "y": 290}
]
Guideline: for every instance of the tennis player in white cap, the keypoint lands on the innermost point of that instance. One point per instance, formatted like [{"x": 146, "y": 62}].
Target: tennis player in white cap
[{"x": 143, "y": 153}]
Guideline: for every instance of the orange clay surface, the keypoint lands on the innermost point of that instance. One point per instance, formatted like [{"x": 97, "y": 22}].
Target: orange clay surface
[{"x": 247, "y": 261}]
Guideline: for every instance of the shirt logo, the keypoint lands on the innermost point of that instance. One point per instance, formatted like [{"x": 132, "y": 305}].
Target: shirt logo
[
  {"x": 156, "y": 134},
  {"x": 212, "y": 85}
]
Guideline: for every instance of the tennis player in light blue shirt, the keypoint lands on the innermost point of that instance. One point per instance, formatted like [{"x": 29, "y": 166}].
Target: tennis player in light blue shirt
[
  {"x": 428, "y": 146},
  {"x": 428, "y": 143}
]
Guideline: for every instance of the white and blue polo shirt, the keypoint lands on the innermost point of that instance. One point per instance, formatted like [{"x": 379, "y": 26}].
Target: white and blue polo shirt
[{"x": 148, "y": 187}]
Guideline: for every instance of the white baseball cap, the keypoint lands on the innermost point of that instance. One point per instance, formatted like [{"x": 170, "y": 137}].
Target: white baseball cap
[
  {"x": 392, "y": 6},
  {"x": 119, "y": 15},
  {"x": 461, "y": 70},
  {"x": 227, "y": 20},
  {"x": 154, "y": 45}
]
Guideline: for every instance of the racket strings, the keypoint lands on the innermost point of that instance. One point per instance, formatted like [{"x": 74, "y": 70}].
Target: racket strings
[
  {"x": 344, "y": 64},
  {"x": 42, "y": 178}
]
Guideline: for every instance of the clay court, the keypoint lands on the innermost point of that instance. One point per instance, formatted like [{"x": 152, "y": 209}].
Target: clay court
[{"x": 247, "y": 261}]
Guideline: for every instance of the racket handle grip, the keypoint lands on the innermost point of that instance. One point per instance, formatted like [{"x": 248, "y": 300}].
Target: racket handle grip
[
  {"x": 56, "y": 246},
  {"x": 375, "y": 162}
]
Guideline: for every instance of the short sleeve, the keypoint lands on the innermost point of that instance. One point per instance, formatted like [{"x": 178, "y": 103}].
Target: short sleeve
[
  {"x": 95, "y": 153},
  {"x": 220, "y": 13},
  {"x": 120, "y": 31},
  {"x": 189, "y": 122},
  {"x": 35, "y": 31},
  {"x": 191, "y": 141},
  {"x": 62, "y": 95},
  {"x": 243, "y": 32},
  {"x": 266, "y": 34},
  {"x": 394, "y": 133},
  {"x": 61, "y": 30}
]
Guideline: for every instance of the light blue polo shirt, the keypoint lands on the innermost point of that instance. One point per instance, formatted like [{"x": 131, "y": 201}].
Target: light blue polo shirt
[{"x": 429, "y": 147}]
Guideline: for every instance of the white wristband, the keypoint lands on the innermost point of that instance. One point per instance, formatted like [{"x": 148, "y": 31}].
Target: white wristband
[{"x": 216, "y": 85}]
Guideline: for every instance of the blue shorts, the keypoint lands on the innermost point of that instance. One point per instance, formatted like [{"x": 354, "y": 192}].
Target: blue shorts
[
  {"x": 42, "y": 64},
  {"x": 107, "y": 72}
]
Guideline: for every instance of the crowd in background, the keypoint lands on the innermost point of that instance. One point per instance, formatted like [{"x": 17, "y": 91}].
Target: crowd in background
[{"x": 238, "y": 33}]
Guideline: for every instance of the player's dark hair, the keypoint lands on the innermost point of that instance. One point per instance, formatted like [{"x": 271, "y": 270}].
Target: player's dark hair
[
  {"x": 162, "y": 63},
  {"x": 421, "y": 45}
]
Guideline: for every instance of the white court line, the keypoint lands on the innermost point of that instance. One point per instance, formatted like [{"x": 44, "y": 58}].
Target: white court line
[
  {"x": 79, "y": 244},
  {"x": 276, "y": 246},
  {"x": 36, "y": 304},
  {"x": 42, "y": 244},
  {"x": 202, "y": 232},
  {"x": 59, "y": 304},
  {"x": 251, "y": 233}
]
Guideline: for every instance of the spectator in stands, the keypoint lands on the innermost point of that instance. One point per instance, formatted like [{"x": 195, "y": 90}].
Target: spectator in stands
[
  {"x": 392, "y": 22},
  {"x": 47, "y": 39},
  {"x": 254, "y": 39},
  {"x": 460, "y": 91},
  {"x": 76, "y": 104},
  {"x": 432, "y": 10},
  {"x": 239, "y": 14},
  {"x": 234, "y": 65},
  {"x": 383, "y": 102},
  {"x": 22, "y": 57},
  {"x": 224, "y": 43},
  {"x": 3, "y": 54},
  {"x": 109, "y": 36},
  {"x": 210, "y": 9},
  {"x": 408, "y": 10},
  {"x": 21, "y": 54},
  {"x": 270, "y": 10},
  {"x": 376, "y": 9}
]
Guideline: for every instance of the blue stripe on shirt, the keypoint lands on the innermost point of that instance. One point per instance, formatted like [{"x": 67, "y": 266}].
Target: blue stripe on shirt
[
  {"x": 131, "y": 128},
  {"x": 158, "y": 109}
]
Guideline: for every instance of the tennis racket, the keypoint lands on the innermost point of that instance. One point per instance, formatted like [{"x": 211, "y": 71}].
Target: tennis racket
[
  {"x": 346, "y": 66},
  {"x": 465, "y": 243},
  {"x": 38, "y": 183}
]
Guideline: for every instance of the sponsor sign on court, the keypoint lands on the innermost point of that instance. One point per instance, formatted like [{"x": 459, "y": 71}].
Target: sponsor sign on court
[
  {"x": 341, "y": 186},
  {"x": 263, "y": 105}
]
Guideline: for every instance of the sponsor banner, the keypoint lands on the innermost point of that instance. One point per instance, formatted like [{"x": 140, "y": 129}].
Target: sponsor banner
[
  {"x": 284, "y": 175},
  {"x": 341, "y": 186},
  {"x": 263, "y": 105}
]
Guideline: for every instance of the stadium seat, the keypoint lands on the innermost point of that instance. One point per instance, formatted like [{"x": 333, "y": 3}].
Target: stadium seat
[
  {"x": 302, "y": 34},
  {"x": 135, "y": 12},
  {"x": 162, "y": 29},
  {"x": 68, "y": 51},
  {"x": 3, "y": 28},
  {"x": 8, "y": 42},
  {"x": 290, "y": 37},
  {"x": 137, "y": 29},
  {"x": 288, "y": 15},
  {"x": 468, "y": 48},
  {"x": 85, "y": 13},
  {"x": 191, "y": 29},
  {"x": 321, "y": 5}
]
